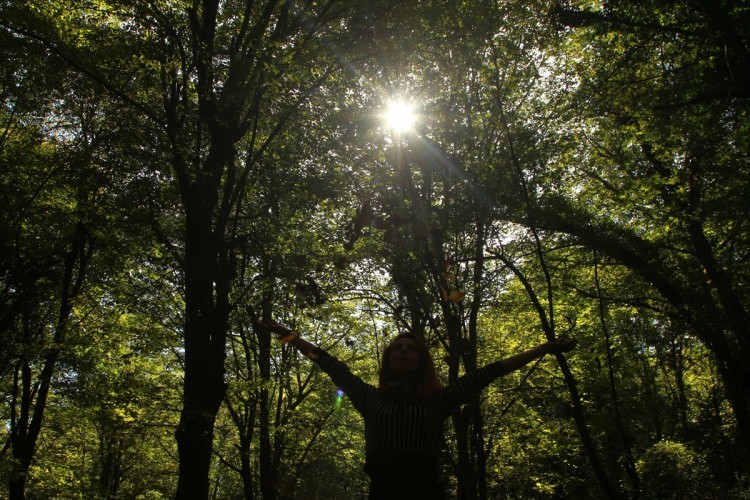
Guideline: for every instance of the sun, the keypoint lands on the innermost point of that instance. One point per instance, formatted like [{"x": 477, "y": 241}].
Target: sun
[{"x": 400, "y": 116}]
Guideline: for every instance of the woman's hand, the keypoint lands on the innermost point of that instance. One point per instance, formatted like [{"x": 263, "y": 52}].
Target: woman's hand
[{"x": 284, "y": 333}]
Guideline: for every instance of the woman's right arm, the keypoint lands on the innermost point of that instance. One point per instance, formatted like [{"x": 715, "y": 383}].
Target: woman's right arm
[
  {"x": 473, "y": 382},
  {"x": 354, "y": 387}
]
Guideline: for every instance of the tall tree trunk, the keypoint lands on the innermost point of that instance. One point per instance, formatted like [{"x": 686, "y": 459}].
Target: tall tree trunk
[
  {"x": 727, "y": 317},
  {"x": 246, "y": 471},
  {"x": 110, "y": 451},
  {"x": 608, "y": 488},
  {"x": 738, "y": 394},
  {"x": 461, "y": 419},
  {"x": 629, "y": 461},
  {"x": 26, "y": 425},
  {"x": 244, "y": 415},
  {"x": 267, "y": 473},
  {"x": 477, "y": 441},
  {"x": 478, "y": 450},
  {"x": 205, "y": 333}
]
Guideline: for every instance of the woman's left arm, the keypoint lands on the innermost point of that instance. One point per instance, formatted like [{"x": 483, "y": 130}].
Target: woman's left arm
[
  {"x": 473, "y": 382},
  {"x": 520, "y": 360},
  {"x": 288, "y": 336}
]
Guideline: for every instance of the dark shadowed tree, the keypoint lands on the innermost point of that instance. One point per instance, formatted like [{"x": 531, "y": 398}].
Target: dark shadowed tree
[{"x": 218, "y": 82}]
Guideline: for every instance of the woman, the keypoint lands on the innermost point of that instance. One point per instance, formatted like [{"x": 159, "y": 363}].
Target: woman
[{"x": 404, "y": 415}]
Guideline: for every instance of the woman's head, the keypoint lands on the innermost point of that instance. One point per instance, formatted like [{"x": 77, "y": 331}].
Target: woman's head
[{"x": 408, "y": 359}]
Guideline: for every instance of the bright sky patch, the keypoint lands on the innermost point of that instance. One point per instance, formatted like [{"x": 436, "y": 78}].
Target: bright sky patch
[{"x": 400, "y": 116}]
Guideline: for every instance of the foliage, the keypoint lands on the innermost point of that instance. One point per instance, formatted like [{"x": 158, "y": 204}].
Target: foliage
[
  {"x": 172, "y": 172},
  {"x": 671, "y": 470}
]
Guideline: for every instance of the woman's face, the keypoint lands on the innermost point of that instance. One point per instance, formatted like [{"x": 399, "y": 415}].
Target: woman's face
[{"x": 404, "y": 356}]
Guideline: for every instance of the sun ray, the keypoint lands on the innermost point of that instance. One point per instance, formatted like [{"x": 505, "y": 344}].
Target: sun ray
[{"x": 400, "y": 116}]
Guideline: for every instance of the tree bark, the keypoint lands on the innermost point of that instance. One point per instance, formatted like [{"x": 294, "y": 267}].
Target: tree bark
[
  {"x": 205, "y": 333},
  {"x": 268, "y": 479}
]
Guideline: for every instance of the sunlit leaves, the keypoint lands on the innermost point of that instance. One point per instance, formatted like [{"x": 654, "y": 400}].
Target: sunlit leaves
[{"x": 623, "y": 126}]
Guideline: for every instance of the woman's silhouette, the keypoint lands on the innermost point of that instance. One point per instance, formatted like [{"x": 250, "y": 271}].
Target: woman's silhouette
[{"x": 404, "y": 415}]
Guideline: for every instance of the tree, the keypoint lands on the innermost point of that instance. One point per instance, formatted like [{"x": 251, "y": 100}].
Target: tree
[
  {"x": 213, "y": 79},
  {"x": 109, "y": 430},
  {"x": 663, "y": 170},
  {"x": 578, "y": 171},
  {"x": 56, "y": 235}
]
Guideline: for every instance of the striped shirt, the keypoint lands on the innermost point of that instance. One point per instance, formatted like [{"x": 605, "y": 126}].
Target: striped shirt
[{"x": 405, "y": 426}]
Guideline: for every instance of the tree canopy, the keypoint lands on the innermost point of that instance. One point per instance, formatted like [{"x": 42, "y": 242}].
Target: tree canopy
[{"x": 173, "y": 172}]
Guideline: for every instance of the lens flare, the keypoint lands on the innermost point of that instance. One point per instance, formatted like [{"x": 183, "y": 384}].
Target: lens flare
[
  {"x": 339, "y": 397},
  {"x": 400, "y": 116}
]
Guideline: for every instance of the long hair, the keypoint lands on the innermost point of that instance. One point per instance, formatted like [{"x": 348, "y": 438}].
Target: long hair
[{"x": 426, "y": 380}]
